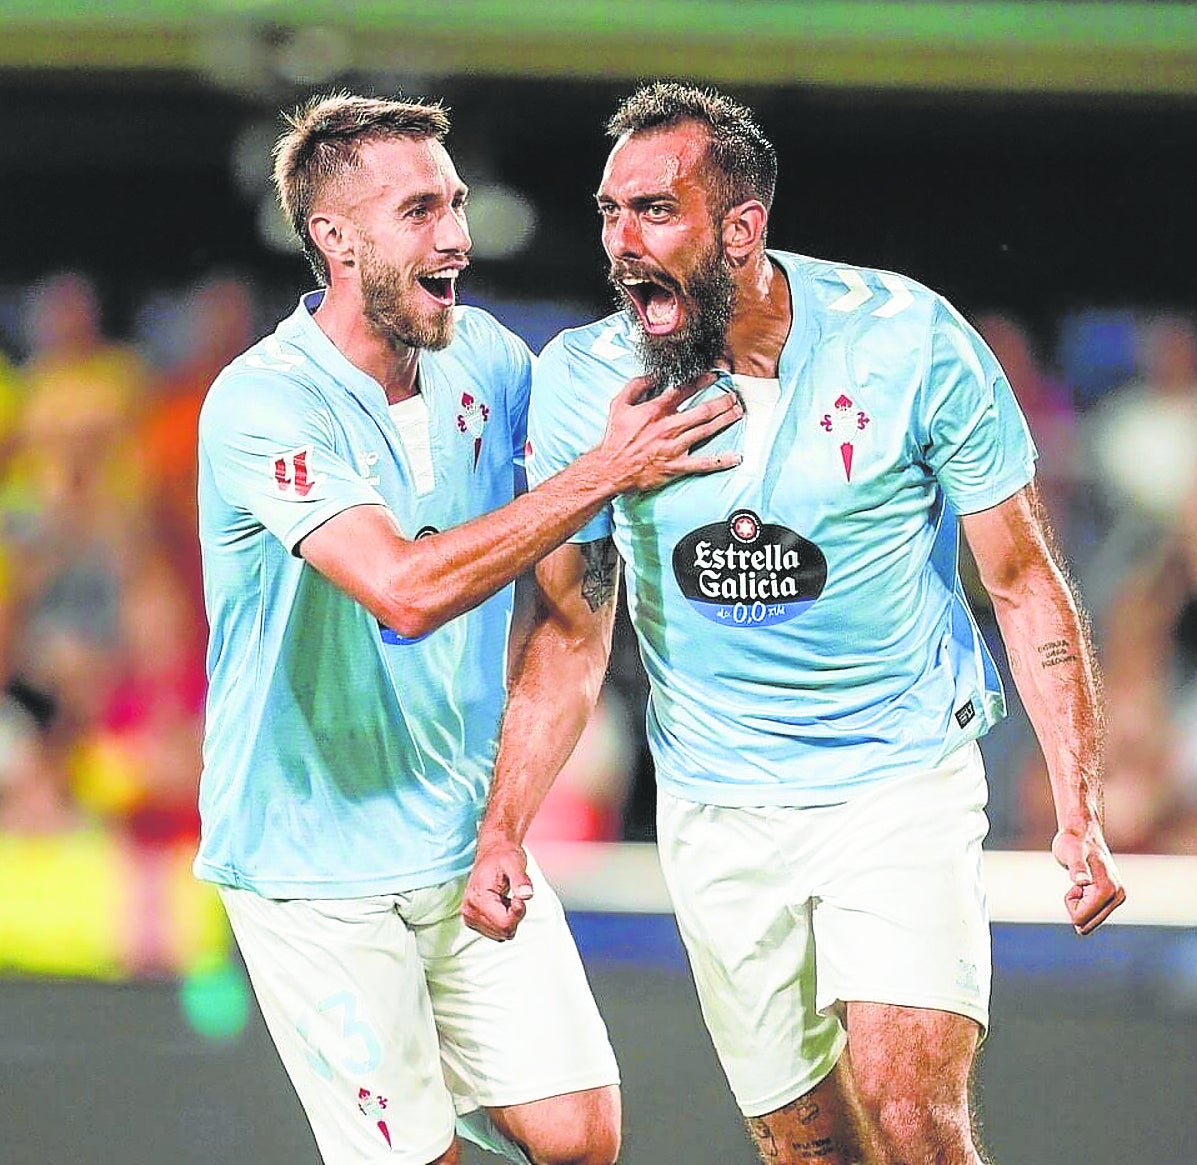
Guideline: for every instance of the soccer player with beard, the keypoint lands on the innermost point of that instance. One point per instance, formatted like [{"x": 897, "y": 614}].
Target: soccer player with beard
[
  {"x": 360, "y": 529},
  {"x": 817, "y": 682}
]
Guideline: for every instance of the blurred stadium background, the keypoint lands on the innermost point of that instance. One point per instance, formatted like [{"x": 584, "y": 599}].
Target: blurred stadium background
[{"x": 1030, "y": 160}]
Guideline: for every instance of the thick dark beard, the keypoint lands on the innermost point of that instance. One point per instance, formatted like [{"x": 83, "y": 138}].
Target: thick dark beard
[
  {"x": 386, "y": 304},
  {"x": 694, "y": 349}
]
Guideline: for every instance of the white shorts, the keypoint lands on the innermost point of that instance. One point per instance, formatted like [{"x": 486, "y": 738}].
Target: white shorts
[
  {"x": 789, "y": 913},
  {"x": 391, "y": 1017}
]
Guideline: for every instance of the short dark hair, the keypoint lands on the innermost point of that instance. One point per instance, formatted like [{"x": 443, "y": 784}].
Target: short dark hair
[
  {"x": 321, "y": 144},
  {"x": 742, "y": 161}
]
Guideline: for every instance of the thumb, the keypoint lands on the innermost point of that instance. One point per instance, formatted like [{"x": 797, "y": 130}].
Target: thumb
[
  {"x": 1082, "y": 879},
  {"x": 1079, "y": 869}
]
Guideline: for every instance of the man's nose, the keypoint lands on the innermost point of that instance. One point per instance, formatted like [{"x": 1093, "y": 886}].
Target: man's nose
[
  {"x": 623, "y": 237},
  {"x": 454, "y": 233}
]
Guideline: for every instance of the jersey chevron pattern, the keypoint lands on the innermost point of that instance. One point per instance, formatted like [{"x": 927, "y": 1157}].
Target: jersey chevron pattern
[
  {"x": 342, "y": 760},
  {"x": 801, "y": 617}
]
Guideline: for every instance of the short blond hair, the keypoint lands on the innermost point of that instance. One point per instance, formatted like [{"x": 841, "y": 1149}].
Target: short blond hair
[{"x": 322, "y": 142}]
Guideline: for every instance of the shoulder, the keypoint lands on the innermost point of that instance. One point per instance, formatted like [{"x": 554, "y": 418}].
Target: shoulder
[
  {"x": 480, "y": 338},
  {"x": 849, "y": 296},
  {"x": 604, "y": 349},
  {"x": 267, "y": 380}
]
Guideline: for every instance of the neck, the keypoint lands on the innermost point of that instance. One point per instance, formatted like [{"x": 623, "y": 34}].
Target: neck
[
  {"x": 761, "y": 321},
  {"x": 395, "y": 367}
]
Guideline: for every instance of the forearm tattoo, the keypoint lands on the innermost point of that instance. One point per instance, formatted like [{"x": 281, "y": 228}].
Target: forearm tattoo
[
  {"x": 601, "y": 573},
  {"x": 1055, "y": 652}
]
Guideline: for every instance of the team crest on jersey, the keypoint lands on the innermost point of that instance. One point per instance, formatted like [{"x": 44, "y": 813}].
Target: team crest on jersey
[
  {"x": 472, "y": 420},
  {"x": 744, "y": 572},
  {"x": 845, "y": 423},
  {"x": 293, "y": 473},
  {"x": 374, "y": 1106}
]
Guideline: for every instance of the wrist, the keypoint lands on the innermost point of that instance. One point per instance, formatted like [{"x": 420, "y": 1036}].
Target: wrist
[
  {"x": 1079, "y": 823},
  {"x": 595, "y": 476},
  {"x": 499, "y": 835}
]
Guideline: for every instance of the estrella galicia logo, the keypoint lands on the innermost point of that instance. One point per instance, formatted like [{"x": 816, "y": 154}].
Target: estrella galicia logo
[
  {"x": 748, "y": 573},
  {"x": 389, "y": 636}
]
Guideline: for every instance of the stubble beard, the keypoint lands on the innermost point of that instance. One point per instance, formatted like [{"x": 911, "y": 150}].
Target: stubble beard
[
  {"x": 389, "y": 304},
  {"x": 710, "y": 292}
]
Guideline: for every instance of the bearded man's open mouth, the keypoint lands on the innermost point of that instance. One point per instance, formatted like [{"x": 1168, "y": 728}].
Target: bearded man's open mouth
[{"x": 656, "y": 301}]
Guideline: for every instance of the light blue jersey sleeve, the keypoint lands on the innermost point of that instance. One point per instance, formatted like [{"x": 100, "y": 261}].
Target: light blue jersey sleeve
[
  {"x": 974, "y": 436},
  {"x": 519, "y": 393},
  {"x": 271, "y": 445},
  {"x": 562, "y": 426}
]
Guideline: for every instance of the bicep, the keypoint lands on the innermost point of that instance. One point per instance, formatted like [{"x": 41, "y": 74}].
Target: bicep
[
  {"x": 577, "y": 586},
  {"x": 1010, "y": 543},
  {"x": 358, "y": 550}
]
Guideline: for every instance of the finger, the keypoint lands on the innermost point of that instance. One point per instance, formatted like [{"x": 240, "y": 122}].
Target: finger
[
  {"x": 1078, "y": 869},
  {"x": 506, "y": 920},
  {"x": 640, "y": 389},
  {"x": 477, "y": 918},
  {"x": 511, "y": 877},
  {"x": 492, "y": 918},
  {"x": 712, "y": 463},
  {"x": 716, "y": 421},
  {"x": 671, "y": 399},
  {"x": 1090, "y": 906},
  {"x": 683, "y": 392},
  {"x": 694, "y": 426},
  {"x": 1098, "y": 910}
]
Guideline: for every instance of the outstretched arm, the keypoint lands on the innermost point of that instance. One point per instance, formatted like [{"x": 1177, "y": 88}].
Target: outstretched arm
[
  {"x": 555, "y": 684},
  {"x": 1051, "y": 658},
  {"x": 416, "y": 586}
]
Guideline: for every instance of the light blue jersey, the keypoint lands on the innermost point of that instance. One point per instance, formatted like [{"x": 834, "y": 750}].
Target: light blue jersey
[
  {"x": 801, "y": 618},
  {"x": 340, "y": 760}
]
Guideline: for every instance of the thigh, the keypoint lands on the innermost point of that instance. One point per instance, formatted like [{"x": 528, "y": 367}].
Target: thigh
[
  {"x": 921, "y": 1054},
  {"x": 517, "y": 1020},
  {"x": 911, "y": 1070},
  {"x": 576, "y": 1126},
  {"x": 900, "y": 916},
  {"x": 744, "y": 917},
  {"x": 341, "y": 987}
]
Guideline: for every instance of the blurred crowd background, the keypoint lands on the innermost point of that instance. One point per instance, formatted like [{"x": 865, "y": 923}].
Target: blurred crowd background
[{"x": 143, "y": 252}]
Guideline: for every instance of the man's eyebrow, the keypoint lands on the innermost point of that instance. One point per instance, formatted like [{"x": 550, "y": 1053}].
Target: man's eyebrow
[
  {"x": 423, "y": 197},
  {"x": 639, "y": 201},
  {"x": 420, "y": 196}
]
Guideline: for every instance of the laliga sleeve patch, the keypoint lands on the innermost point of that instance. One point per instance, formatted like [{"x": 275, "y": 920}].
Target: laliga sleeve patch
[
  {"x": 293, "y": 474},
  {"x": 748, "y": 573}
]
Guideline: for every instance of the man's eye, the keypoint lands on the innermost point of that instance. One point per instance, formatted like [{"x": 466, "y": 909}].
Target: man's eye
[{"x": 418, "y": 213}]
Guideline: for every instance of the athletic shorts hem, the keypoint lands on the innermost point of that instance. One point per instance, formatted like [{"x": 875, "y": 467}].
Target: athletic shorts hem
[
  {"x": 954, "y": 1006},
  {"x": 547, "y": 1090},
  {"x": 406, "y": 1155},
  {"x": 783, "y": 1096},
  {"x": 325, "y": 890}
]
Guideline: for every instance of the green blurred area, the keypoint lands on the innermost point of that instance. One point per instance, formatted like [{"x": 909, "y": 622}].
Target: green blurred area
[{"x": 1082, "y": 47}]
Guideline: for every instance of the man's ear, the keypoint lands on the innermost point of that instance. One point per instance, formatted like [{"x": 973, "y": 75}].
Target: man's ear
[
  {"x": 744, "y": 230},
  {"x": 335, "y": 238}
]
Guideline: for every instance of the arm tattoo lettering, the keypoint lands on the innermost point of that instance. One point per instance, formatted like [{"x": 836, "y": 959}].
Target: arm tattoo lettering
[
  {"x": 813, "y": 1150},
  {"x": 1055, "y": 652},
  {"x": 601, "y": 573}
]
